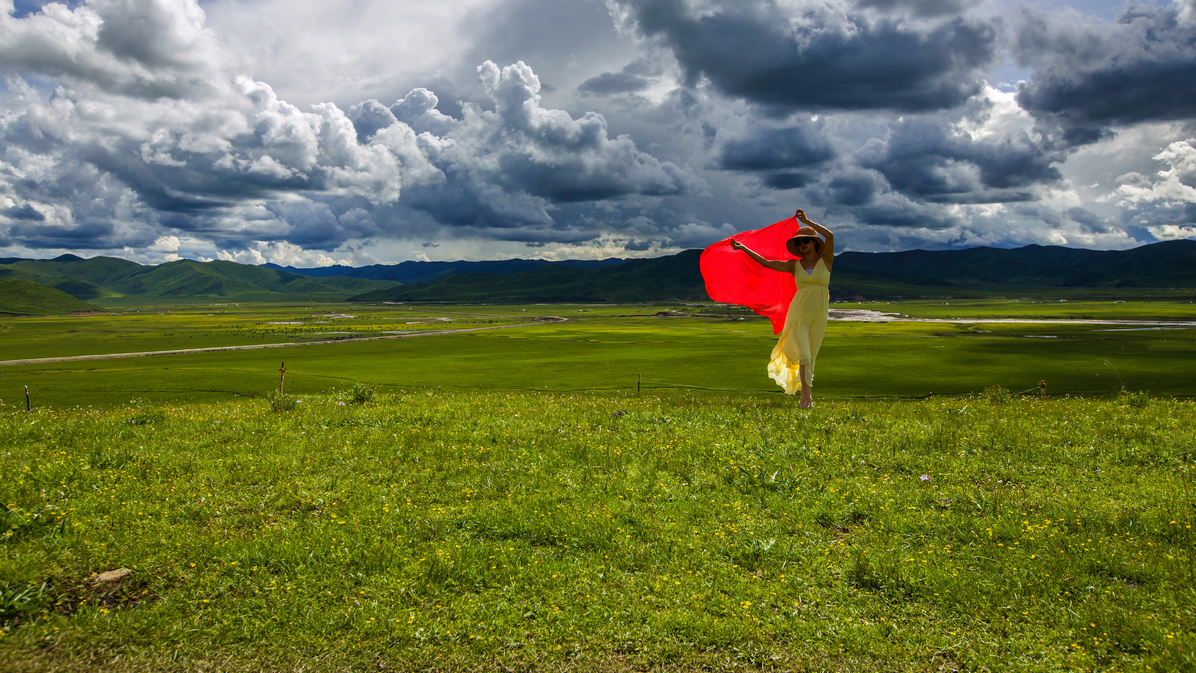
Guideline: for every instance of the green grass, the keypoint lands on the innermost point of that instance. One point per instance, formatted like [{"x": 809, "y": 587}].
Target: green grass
[
  {"x": 497, "y": 531},
  {"x": 1037, "y": 308},
  {"x": 147, "y": 329},
  {"x": 602, "y": 348},
  {"x": 23, "y": 297}
]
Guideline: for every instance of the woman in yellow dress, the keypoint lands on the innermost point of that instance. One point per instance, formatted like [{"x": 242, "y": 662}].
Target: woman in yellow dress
[{"x": 792, "y": 363}]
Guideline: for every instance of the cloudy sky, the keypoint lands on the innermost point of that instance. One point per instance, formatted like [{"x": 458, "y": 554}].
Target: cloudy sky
[{"x": 307, "y": 132}]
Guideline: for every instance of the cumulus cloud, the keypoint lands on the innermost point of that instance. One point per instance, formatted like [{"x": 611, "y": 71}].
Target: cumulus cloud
[
  {"x": 923, "y": 171},
  {"x": 131, "y": 127},
  {"x": 150, "y": 121},
  {"x": 1089, "y": 75},
  {"x": 505, "y": 169},
  {"x": 1175, "y": 186},
  {"x": 774, "y": 148},
  {"x": 819, "y": 55},
  {"x": 142, "y": 48},
  {"x": 926, "y": 159}
]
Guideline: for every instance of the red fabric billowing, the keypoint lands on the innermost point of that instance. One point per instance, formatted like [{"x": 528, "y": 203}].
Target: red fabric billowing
[{"x": 733, "y": 277}]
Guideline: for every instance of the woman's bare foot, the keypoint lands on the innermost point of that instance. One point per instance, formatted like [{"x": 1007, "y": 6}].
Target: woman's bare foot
[
  {"x": 807, "y": 395},
  {"x": 807, "y": 398}
]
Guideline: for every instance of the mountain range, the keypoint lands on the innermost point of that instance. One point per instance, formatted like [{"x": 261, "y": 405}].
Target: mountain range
[
  {"x": 100, "y": 278},
  {"x": 412, "y": 272},
  {"x": 1170, "y": 264}
]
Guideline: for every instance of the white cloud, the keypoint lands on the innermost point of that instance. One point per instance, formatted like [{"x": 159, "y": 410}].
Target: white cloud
[
  {"x": 165, "y": 244},
  {"x": 1177, "y": 185},
  {"x": 313, "y": 51},
  {"x": 130, "y": 125}
]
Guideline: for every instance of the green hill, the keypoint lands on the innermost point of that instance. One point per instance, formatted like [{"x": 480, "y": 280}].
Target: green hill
[
  {"x": 1166, "y": 264},
  {"x": 677, "y": 277},
  {"x": 109, "y": 277},
  {"x": 23, "y": 297},
  {"x": 967, "y": 272},
  {"x": 662, "y": 278}
]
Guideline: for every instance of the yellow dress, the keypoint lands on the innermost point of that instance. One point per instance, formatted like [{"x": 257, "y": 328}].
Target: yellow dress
[{"x": 805, "y": 324}]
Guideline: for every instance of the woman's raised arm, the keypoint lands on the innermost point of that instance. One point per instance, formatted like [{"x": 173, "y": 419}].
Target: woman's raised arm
[
  {"x": 786, "y": 265},
  {"x": 829, "y": 253}
]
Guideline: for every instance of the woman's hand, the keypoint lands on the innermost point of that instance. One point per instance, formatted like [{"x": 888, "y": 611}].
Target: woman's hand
[
  {"x": 737, "y": 245},
  {"x": 801, "y": 216}
]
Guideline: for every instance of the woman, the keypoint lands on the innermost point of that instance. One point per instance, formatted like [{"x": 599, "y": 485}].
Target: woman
[{"x": 792, "y": 363}]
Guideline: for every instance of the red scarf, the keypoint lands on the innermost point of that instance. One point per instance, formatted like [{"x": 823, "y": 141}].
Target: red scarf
[{"x": 733, "y": 277}]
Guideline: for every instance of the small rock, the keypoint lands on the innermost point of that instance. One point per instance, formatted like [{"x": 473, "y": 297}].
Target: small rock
[{"x": 112, "y": 576}]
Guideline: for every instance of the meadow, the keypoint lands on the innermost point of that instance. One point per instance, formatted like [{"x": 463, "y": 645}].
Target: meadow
[
  {"x": 611, "y": 348},
  {"x": 622, "y": 491},
  {"x": 434, "y": 530}
]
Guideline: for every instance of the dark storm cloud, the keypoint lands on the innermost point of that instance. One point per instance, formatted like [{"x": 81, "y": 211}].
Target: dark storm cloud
[
  {"x": 784, "y": 158},
  {"x": 91, "y": 235},
  {"x": 25, "y": 212},
  {"x": 924, "y": 159},
  {"x": 892, "y": 210},
  {"x": 919, "y": 7},
  {"x": 179, "y": 188},
  {"x": 823, "y": 58},
  {"x": 855, "y": 187},
  {"x": 462, "y": 201},
  {"x": 612, "y": 83},
  {"x": 1088, "y": 76},
  {"x": 796, "y": 146},
  {"x": 1088, "y": 220},
  {"x": 315, "y": 224},
  {"x": 789, "y": 179}
]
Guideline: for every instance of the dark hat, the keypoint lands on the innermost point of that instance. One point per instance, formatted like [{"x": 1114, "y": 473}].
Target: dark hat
[{"x": 804, "y": 232}]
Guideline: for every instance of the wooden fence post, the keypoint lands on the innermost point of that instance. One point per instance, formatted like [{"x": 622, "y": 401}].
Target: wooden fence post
[
  {"x": 28, "y": 406},
  {"x": 639, "y": 381},
  {"x": 282, "y": 373}
]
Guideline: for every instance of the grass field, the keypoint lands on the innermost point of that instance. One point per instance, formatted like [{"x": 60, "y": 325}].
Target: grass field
[
  {"x": 601, "y": 348},
  {"x": 510, "y": 531},
  {"x": 1039, "y": 308}
]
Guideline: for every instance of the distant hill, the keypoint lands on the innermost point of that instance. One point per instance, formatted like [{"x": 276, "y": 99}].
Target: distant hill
[
  {"x": 412, "y": 272},
  {"x": 1166, "y": 264},
  {"x": 675, "y": 277},
  {"x": 1170, "y": 264},
  {"x": 916, "y": 272},
  {"x": 106, "y": 277},
  {"x": 24, "y": 297}
]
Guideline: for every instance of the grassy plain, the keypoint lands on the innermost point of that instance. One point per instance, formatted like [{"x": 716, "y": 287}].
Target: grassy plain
[
  {"x": 435, "y": 530},
  {"x": 1039, "y": 308},
  {"x": 601, "y": 348}
]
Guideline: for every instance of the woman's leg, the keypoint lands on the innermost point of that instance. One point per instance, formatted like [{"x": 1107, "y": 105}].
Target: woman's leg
[{"x": 807, "y": 392}]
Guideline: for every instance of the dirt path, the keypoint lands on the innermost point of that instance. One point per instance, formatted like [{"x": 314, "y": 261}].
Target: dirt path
[{"x": 548, "y": 320}]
